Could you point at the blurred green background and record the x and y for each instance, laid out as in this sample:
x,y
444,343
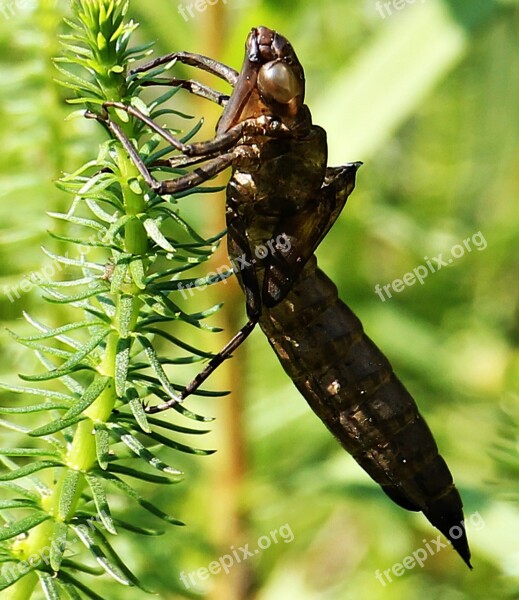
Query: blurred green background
x,y
426,93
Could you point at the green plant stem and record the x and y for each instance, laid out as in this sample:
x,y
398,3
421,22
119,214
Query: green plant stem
x,y
81,456
91,357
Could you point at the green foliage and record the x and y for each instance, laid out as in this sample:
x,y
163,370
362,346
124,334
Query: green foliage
x,y
440,165
100,368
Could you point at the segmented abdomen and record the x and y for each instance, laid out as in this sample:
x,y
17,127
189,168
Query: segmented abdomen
x,y
351,386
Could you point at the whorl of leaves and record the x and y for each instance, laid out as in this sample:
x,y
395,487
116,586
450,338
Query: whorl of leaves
x,y
123,255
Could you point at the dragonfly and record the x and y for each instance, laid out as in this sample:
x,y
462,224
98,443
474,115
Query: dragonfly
x,y
282,196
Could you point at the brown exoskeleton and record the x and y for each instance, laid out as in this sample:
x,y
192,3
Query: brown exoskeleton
x,y
281,188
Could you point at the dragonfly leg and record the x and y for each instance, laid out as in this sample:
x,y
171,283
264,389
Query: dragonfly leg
x,y
212,365
199,175
252,293
194,87
134,112
164,133
171,186
180,160
221,142
248,277
194,60
264,125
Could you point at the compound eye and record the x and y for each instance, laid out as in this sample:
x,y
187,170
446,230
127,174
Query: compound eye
x,y
278,82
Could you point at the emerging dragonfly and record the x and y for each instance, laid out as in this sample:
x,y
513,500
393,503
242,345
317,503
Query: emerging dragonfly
x,y
281,188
